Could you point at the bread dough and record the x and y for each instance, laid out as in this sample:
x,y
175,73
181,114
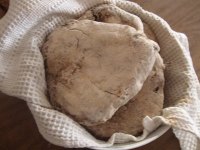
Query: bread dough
x,y
94,68
148,102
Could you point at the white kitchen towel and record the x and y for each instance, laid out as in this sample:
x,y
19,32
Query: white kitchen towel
x,y
22,74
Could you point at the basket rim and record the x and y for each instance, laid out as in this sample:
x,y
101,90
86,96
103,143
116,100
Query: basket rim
x,y
150,138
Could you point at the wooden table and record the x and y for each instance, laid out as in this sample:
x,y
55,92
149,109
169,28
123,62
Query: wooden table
x,y
18,130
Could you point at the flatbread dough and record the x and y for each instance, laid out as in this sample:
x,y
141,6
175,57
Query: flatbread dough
x,y
148,102
95,68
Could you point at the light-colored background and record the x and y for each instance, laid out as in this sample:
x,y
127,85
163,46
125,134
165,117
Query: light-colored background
x,y
18,130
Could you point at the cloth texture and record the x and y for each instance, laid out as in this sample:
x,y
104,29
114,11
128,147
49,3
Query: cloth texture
x,y
22,73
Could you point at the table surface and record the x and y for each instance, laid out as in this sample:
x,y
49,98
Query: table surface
x,y
18,130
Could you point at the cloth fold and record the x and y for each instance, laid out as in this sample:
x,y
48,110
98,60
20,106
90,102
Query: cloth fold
x,y
22,32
